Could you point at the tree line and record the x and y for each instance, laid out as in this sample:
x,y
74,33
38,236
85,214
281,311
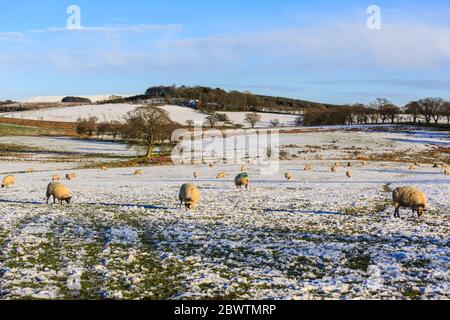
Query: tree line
x,y
381,111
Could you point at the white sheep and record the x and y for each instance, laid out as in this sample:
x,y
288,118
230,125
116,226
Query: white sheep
x,y
288,176
56,177
71,176
308,167
196,174
59,192
189,196
8,182
409,197
221,175
349,174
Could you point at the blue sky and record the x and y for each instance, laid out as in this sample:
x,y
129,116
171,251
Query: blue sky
x,y
314,50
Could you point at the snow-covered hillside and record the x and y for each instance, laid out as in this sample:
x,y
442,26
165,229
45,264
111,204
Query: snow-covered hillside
x,y
109,112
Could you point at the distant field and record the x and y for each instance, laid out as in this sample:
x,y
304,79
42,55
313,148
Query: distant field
x,y
117,112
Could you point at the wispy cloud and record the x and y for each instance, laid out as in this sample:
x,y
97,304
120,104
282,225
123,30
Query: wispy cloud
x,y
140,28
11,36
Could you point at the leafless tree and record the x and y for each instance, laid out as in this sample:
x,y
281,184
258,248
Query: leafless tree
x,y
148,126
252,119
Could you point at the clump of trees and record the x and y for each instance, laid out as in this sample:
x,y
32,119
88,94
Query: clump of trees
x,y
76,100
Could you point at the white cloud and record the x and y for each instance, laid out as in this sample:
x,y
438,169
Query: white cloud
x,y
11,36
140,28
343,45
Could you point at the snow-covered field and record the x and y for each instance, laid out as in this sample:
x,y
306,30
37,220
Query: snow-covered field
x,y
104,112
56,99
117,112
319,236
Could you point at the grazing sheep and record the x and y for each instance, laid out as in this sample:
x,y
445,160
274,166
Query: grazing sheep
x,y
417,164
138,173
288,176
56,177
447,172
104,168
189,196
334,169
337,164
59,192
412,168
349,174
308,167
244,168
196,174
409,197
242,179
221,175
8,182
71,176
29,170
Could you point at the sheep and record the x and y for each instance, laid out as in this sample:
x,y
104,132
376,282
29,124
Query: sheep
x,y
365,163
409,197
244,168
196,174
349,164
288,176
447,172
349,174
59,192
104,168
337,164
211,165
242,179
29,170
8,182
70,176
189,196
334,169
221,175
138,173
308,167
56,177
436,166
412,167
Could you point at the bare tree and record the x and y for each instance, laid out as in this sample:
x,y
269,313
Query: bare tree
x,y
431,108
446,111
148,126
413,109
87,127
252,119
211,121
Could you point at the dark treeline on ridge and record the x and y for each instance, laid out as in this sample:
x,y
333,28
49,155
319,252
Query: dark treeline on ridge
x,y
216,99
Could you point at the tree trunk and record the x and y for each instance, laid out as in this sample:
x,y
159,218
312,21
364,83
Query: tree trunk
x,y
149,152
